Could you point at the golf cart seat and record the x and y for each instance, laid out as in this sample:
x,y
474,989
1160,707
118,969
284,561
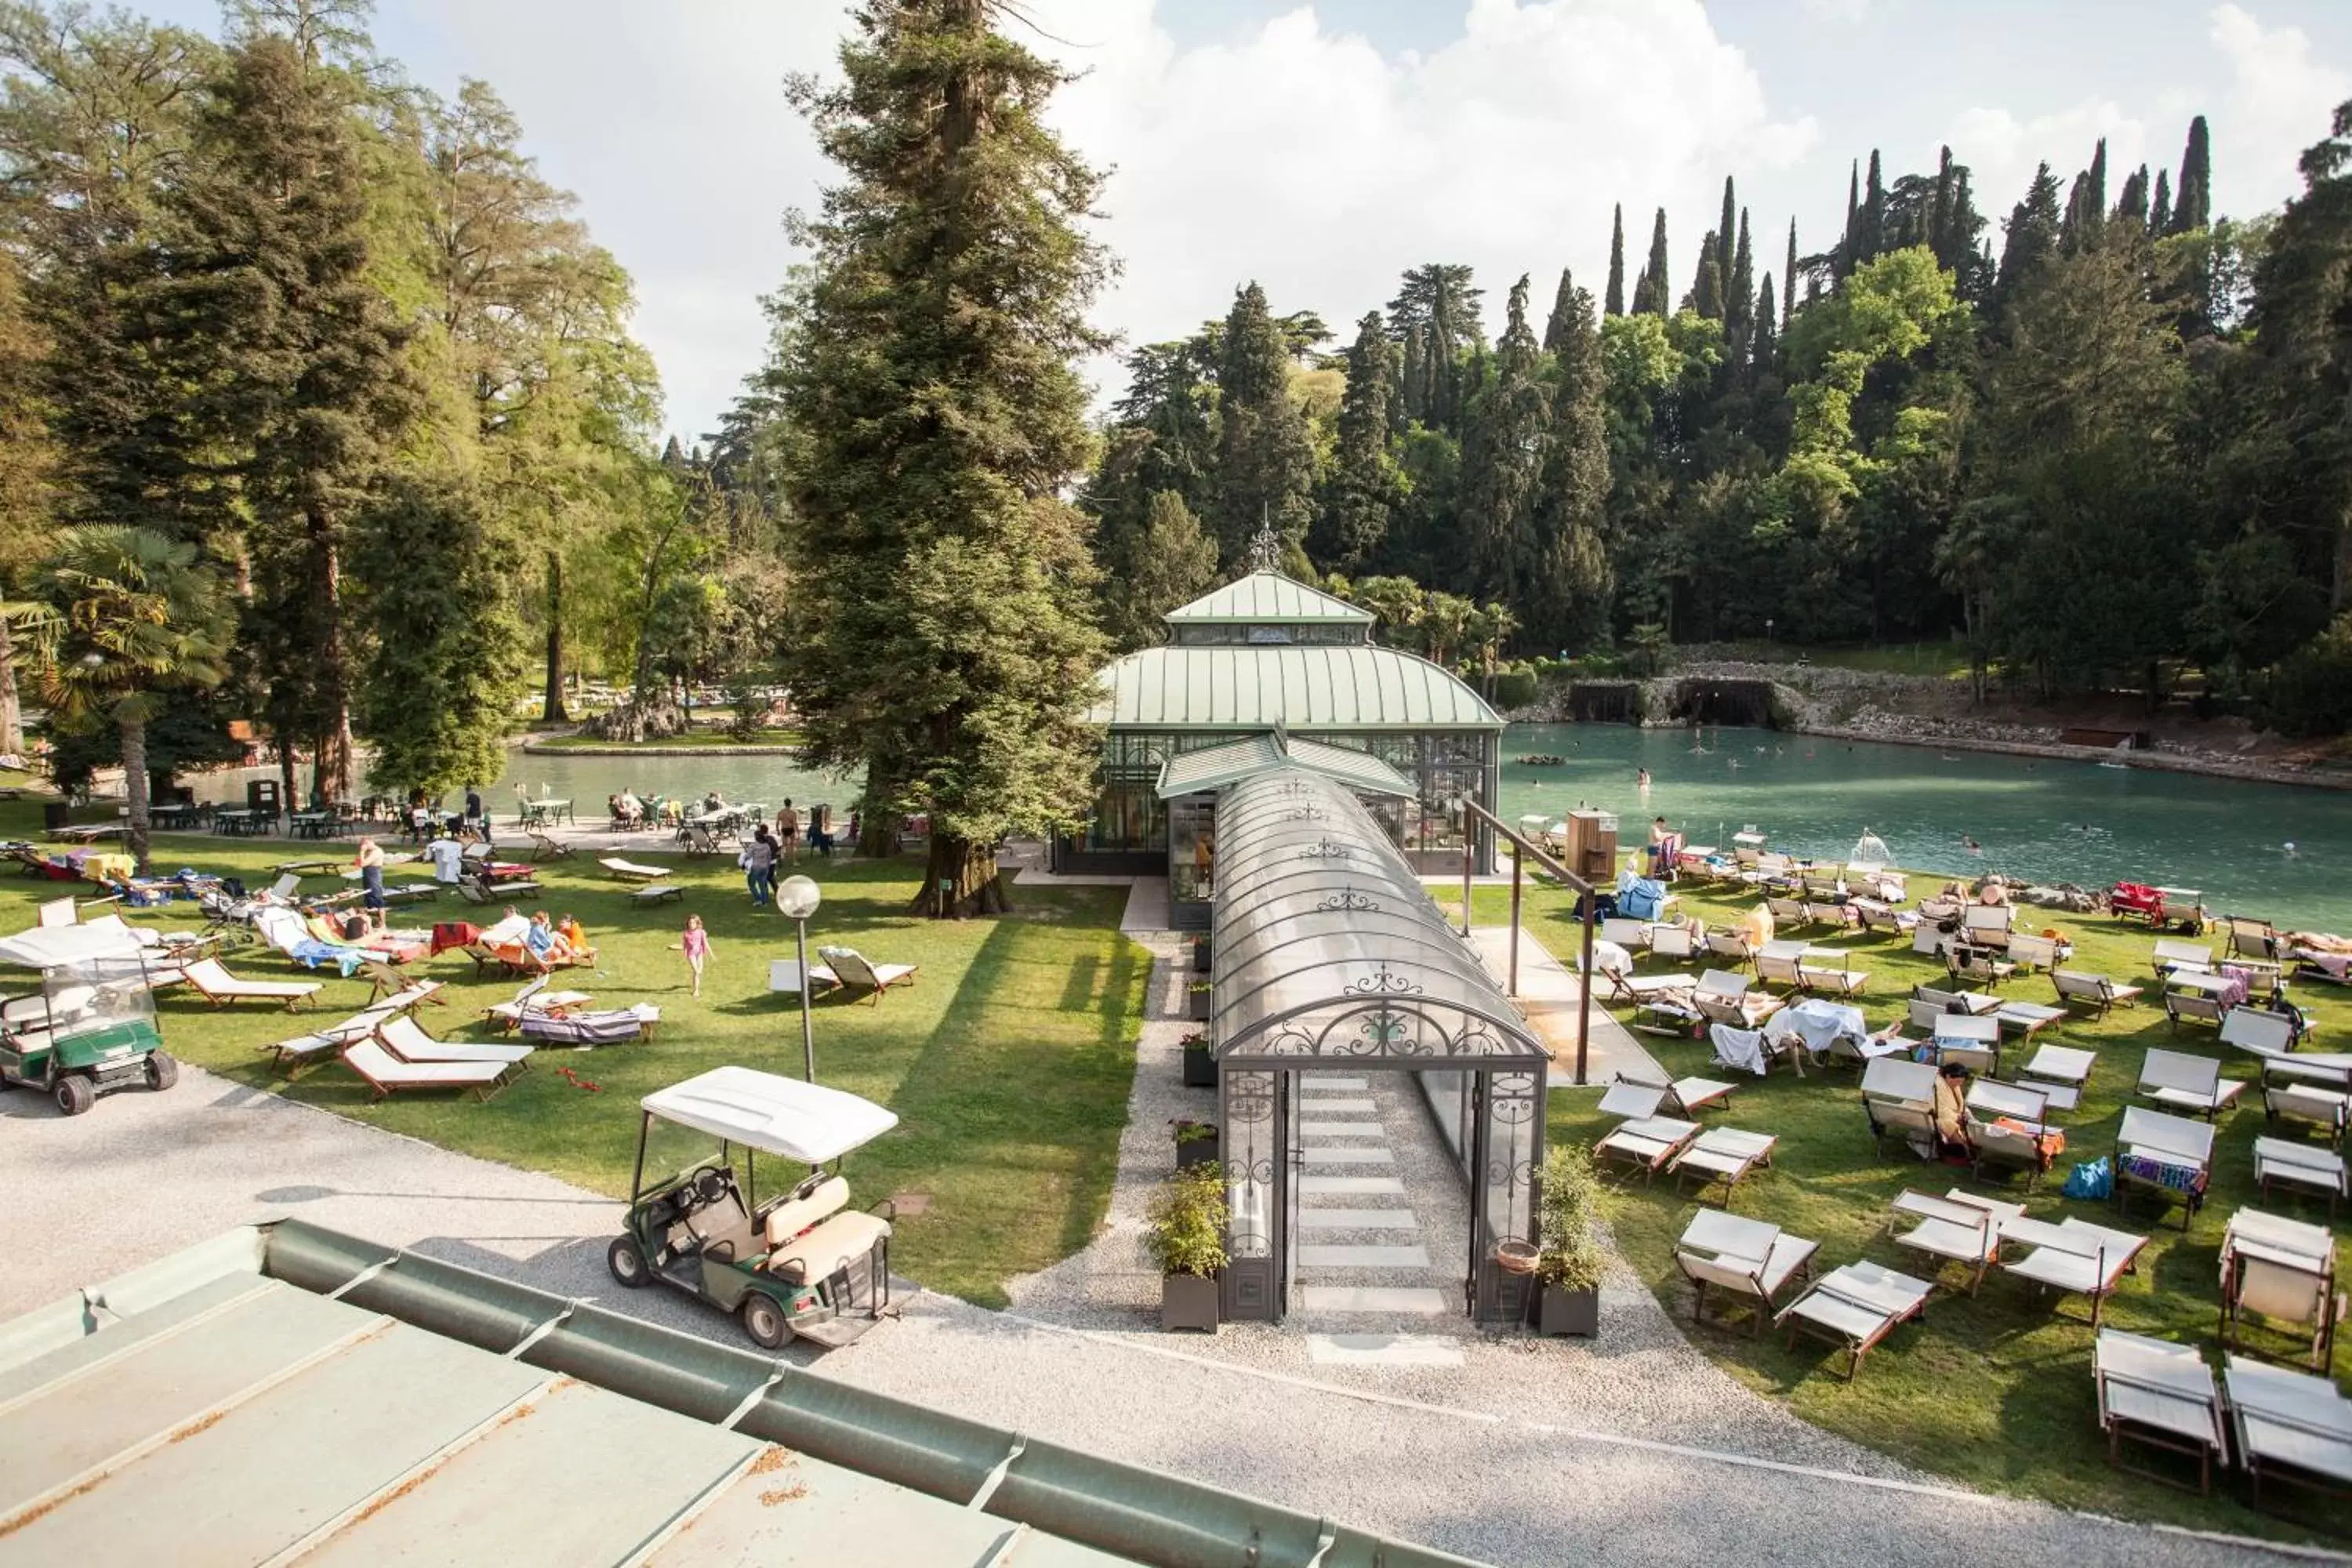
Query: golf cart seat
x,y
820,1204
844,1239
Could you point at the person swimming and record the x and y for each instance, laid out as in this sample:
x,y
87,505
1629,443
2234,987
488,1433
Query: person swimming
x,y
1971,845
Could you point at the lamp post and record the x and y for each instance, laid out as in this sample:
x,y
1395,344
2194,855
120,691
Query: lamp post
x,y
797,898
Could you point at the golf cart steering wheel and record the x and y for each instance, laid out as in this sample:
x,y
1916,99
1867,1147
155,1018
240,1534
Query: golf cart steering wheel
x,y
710,1185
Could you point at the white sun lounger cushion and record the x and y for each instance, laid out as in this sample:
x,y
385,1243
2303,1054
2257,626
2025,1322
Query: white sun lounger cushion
x,y
2158,1385
2289,1418
1727,1152
1860,1301
2072,1254
1651,1140
372,1061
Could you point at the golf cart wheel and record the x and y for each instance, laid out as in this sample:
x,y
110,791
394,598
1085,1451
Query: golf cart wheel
x,y
75,1094
162,1072
627,1262
765,1322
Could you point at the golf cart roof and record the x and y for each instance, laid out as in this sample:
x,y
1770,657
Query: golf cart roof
x,y
774,1115
46,947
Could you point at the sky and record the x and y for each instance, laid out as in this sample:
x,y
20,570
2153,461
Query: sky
x,y
1323,148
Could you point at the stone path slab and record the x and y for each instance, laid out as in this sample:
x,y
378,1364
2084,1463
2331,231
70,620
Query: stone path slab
x,y
1389,1185
1383,1350
1312,1254
1420,1299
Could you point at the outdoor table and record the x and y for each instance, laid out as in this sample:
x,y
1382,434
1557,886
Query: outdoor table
x,y
2204,982
238,822
309,823
170,816
539,813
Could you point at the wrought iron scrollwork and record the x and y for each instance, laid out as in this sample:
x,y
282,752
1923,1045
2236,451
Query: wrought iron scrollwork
x,y
1383,981
1327,849
1349,898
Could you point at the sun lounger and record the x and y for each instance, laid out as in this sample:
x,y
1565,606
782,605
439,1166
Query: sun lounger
x,y
2300,1168
2159,1394
1956,1039
1724,1155
632,870
2057,1068
1721,997
1959,1227
1629,935
534,997
2171,953
2182,1082
405,1038
2029,952
1782,962
2094,994
1969,965
1686,1096
219,987
2009,1122
2290,1426
2251,938
1826,970
1624,986
1745,1259
1732,947
1987,925
2073,1257
544,847
1899,1097
1753,1050
1856,1307
1646,1142
1975,1004
322,1043
2330,1109
1673,943
658,892
2258,1030
606,1028
2279,1274
857,974
385,981
386,1074
2170,1155
2192,1007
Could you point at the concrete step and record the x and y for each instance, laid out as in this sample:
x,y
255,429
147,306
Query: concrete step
x,y
1387,1185
1310,1219
1383,1350
1333,1154
1333,1106
1314,1255
1316,1082
1418,1301
1341,1129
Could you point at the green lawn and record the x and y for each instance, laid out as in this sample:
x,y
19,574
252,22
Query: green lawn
x,y
1996,1389
696,737
1008,1061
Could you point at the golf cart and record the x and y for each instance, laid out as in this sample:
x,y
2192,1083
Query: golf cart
x,y
91,1029
801,1264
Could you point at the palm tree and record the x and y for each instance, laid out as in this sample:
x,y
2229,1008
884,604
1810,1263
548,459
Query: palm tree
x,y
137,615
1491,625
1445,623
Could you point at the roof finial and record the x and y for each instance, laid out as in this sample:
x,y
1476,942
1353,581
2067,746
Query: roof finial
x,y
1266,545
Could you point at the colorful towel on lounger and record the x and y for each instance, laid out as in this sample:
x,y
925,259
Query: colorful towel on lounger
x,y
604,1027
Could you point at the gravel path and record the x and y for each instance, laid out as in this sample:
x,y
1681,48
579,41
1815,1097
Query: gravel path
x,y
1527,1454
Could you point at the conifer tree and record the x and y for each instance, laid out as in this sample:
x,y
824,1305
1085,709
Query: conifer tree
x,y
269,272
1564,300
2159,210
1873,212
1725,229
1706,294
1788,278
1415,376
1573,582
1652,292
2033,230
2192,198
1502,461
1613,301
1848,254
2131,205
1740,296
1440,298
1764,352
1363,481
1265,459
939,413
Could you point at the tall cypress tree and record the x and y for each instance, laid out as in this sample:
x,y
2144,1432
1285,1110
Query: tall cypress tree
x,y
2192,198
1613,301
1362,481
1724,229
938,414
2131,206
270,269
1739,295
1266,461
1706,294
1788,278
1874,212
1654,290
1569,607
2034,232
1765,352
2159,210
1441,299
1502,461
1848,254
1564,300
1415,376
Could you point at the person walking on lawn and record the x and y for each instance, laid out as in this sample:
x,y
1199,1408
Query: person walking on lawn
x,y
759,866
697,946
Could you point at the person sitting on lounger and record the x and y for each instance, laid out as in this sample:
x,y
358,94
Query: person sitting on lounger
x,y
509,932
540,937
574,938
1952,1112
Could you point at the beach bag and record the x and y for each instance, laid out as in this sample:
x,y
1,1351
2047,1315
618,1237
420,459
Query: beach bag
x,y
2091,1179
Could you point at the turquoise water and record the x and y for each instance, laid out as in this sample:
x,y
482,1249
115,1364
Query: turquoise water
x,y
2045,821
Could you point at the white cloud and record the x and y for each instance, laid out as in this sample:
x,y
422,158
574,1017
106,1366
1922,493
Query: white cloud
x,y
2278,102
1838,10
2001,151
1304,158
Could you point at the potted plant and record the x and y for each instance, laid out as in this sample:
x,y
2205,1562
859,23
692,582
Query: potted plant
x,y
1199,989
1196,1142
1202,949
1568,1259
1200,1066
1187,1239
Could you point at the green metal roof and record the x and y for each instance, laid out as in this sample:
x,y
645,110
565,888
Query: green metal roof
x,y
1190,773
1270,597
283,1392
1350,687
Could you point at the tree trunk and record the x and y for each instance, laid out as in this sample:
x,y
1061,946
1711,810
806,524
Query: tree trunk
x,y
286,774
551,710
134,788
12,717
334,760
971,883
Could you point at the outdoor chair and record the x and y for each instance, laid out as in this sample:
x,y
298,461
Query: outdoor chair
x,y
1685,1096
1723,998
1975,965
1822,969
2300,1168
2330,1109
2172,954
2073,1257
385,981
1789,914
698,839
54,912
2251,938
857,974
2279,1275
1615,966
1957,1039
1672,941
1856,1307
1959,1227
2062,1071
1732,947
1747,1260
2191,1006
1644,1140
2095,994
2161,1395
1753,1050
216,986
2008,1128
2290,1426
1877,920
1630,934
2028,953
1898,1095
2183,1082
386,1075
534,997
2260,1031
1781,962
1929,939
1724,1155
1987,925
2026,1019
2170,1155
405,1038
291,1054
1956,1000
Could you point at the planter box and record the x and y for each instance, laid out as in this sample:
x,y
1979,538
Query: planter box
x,y
1197,1150
1201,954
1561,1311
1199,1000
1200,1068
1188,1301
